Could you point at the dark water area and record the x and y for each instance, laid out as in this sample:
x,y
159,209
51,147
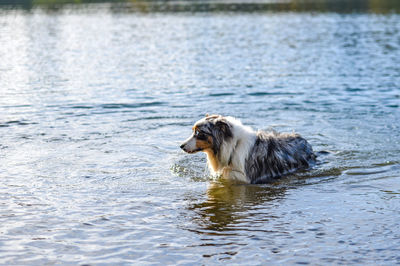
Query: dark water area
x,y
95,100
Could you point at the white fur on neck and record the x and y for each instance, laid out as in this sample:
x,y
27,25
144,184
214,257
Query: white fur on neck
x,y
233,153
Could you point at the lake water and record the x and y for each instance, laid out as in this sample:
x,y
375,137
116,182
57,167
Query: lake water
x,y
95,100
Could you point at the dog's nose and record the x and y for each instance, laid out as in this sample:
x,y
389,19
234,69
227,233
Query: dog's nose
x,y
183,145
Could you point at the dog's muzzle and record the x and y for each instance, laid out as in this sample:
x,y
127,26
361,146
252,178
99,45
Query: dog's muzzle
x,y
189,146
183,146
189,151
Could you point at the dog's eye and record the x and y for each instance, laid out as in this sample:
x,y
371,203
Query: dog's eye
x,y
200,135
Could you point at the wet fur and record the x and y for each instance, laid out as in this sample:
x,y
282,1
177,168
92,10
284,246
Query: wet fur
x,y
240,154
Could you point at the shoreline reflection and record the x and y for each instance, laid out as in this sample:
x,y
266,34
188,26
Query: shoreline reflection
x,y
142,6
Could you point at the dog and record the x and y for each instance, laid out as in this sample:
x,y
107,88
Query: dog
x,y
242,155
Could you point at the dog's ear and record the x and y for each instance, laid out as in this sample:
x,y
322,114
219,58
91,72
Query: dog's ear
x,y
224,127
212,117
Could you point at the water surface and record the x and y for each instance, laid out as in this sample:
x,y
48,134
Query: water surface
x,y
94,103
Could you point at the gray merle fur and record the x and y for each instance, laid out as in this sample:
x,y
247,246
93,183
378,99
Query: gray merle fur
x,y
276,154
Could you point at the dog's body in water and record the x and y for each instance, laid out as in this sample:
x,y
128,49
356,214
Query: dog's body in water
x,y
243,155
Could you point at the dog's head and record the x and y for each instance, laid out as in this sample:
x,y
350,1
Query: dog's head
x,y
208,134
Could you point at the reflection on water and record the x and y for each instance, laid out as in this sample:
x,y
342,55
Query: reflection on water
x,y
228,204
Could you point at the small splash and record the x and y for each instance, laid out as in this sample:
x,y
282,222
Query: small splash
x,y
193,167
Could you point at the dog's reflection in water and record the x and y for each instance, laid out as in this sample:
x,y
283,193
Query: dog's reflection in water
x,y
229,204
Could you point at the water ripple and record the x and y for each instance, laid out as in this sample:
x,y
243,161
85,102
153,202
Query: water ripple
x,y
92,117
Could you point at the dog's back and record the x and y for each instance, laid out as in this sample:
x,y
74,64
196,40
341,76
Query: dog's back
x,y
276,154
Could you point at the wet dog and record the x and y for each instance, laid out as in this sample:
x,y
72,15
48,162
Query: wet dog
x,y
242,155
